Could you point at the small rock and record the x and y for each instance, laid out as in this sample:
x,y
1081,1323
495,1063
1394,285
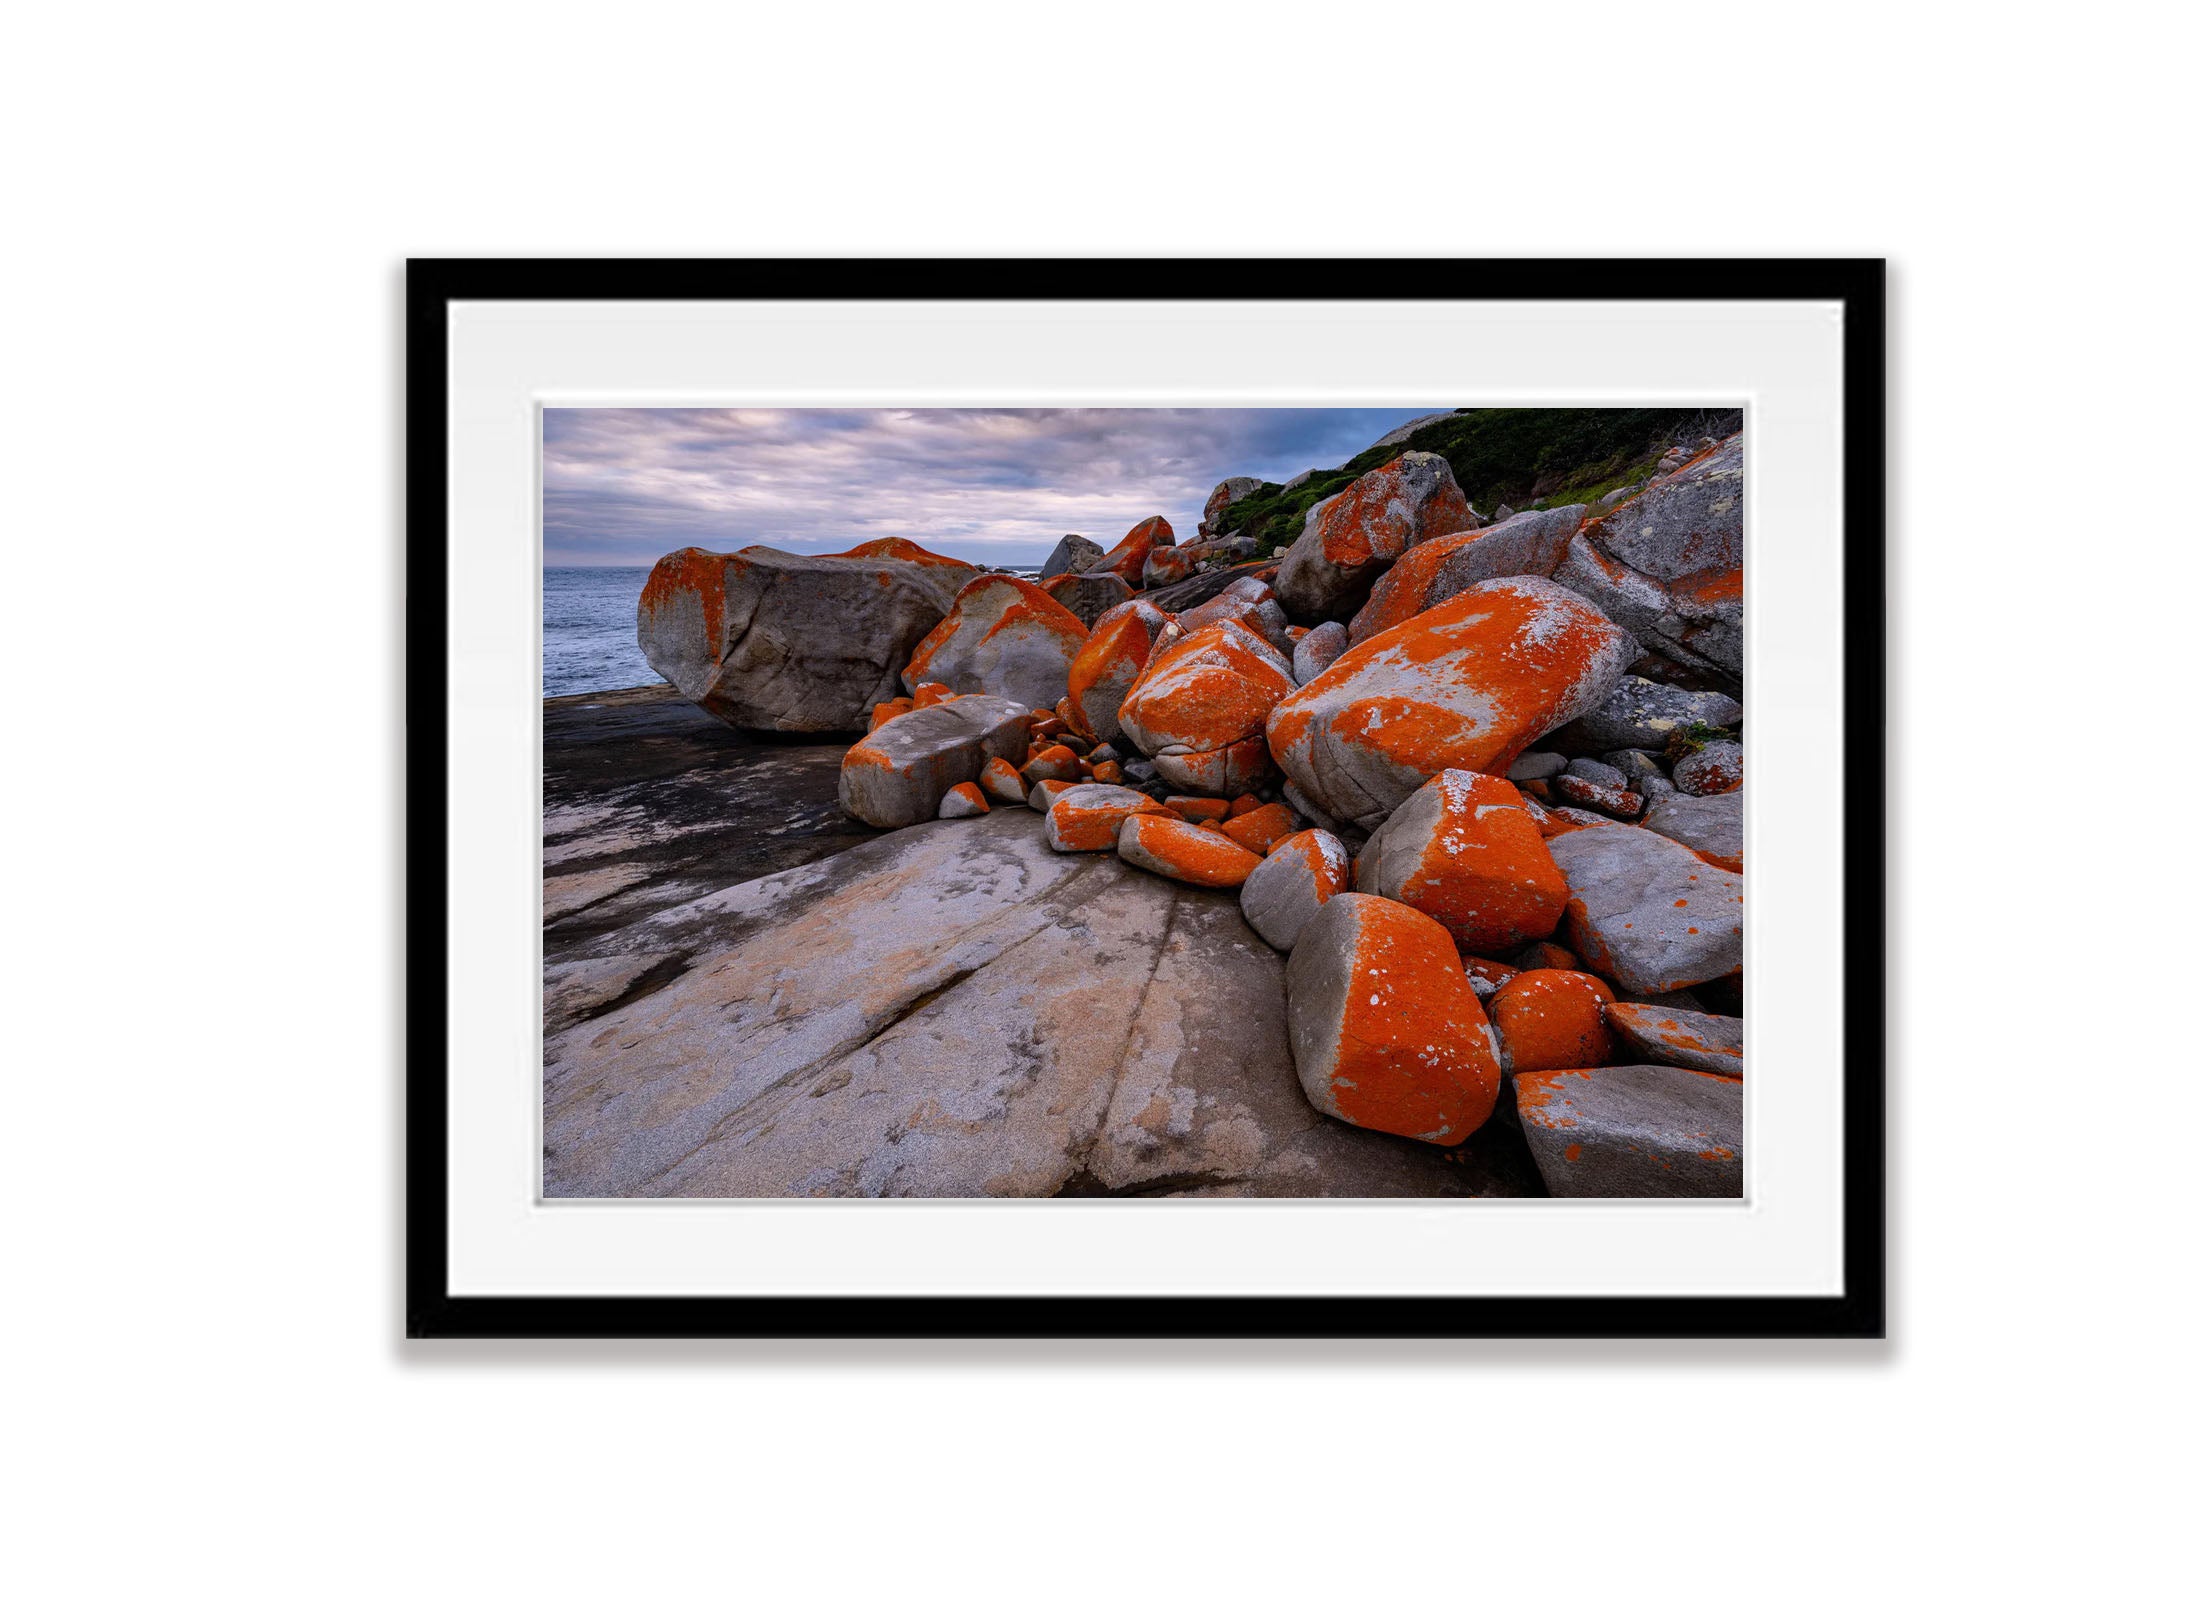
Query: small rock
x,y
964,800
1165,843
1715,769
1087,816
1597,772
1608,798
1197,808
1001,782
1648,1132
1681,1038
1139,770
1054,761
1317,650
1260,829
1385,1030
1536,764
1543,954
1299,876
1639,770
1045,792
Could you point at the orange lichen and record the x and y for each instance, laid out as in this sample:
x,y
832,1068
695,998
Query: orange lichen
x,y
1198,808
1262,828
895,549
1086,817
1162,842
1128,559
887,710
1414,1054
1553,1021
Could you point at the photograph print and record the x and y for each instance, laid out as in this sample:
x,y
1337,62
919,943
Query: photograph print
x,y
1284,802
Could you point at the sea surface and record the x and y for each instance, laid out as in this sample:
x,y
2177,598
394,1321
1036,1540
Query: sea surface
x,y
588,642
588,630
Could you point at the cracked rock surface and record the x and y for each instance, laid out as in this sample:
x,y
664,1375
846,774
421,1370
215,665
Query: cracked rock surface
x,y
952,1009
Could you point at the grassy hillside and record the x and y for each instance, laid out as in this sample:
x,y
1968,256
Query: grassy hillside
x,y
1517,457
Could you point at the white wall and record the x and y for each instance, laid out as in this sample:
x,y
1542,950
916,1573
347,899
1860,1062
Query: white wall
x,y
208,208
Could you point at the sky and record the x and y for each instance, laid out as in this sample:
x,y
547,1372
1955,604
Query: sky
x,y
623,487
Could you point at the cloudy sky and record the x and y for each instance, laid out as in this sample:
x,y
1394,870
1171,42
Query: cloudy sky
x,y
622,487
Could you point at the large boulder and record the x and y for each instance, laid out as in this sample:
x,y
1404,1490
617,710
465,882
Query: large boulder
x,y
1550,1020
1464,850
1073,553
1296,879
1634,1132
1128,559
1530,544
1247,600
1087,596
1200,709
1004,636
1167,564
1226,494
1386,1032
898,775
1667,564
954,1011
1113,656
1647,913
953,572
1469,684
1679,1038
790,644
1352,537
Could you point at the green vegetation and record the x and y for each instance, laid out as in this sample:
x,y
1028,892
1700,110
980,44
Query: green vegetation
x,y
1529,456
1695,736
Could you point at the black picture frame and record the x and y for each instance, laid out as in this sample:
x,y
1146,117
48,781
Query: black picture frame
x,y
432,1311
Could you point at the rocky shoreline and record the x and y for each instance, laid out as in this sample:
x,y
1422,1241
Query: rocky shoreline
x,y
1406,861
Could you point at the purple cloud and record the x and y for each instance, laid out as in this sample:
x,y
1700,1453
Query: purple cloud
x,y
622,487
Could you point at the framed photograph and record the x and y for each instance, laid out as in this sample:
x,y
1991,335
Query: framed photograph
x,y
1145,798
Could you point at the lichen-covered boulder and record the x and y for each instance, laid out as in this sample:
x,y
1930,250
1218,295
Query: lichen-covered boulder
x,y
1226,494
1611,799
1113,656
1464,850
1667,563
1316,651
1087,596
1086,816
1552,1021
1469,684
1696,1039
1003,636
1200,709
1049,761
898,775
1042,795
1248,600
1167,564
1634,1132
1162,842
790,644
952,572
1529,545
1352,537
1299,876
1385,1030
1646,912
1128,559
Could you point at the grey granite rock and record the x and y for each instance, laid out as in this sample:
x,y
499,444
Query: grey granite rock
x,y
1634,1132
898,775
1647,913
1680,1038
1074,553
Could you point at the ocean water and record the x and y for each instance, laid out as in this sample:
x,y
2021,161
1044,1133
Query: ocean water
x,y
588,630
588,642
